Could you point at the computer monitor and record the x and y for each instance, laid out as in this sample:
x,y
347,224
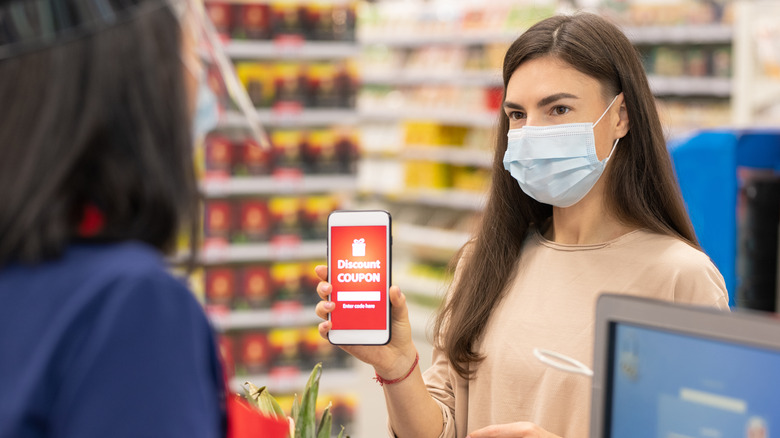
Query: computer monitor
x,y
669,371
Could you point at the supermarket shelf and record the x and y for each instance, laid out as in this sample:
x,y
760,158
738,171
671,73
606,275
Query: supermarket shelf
x,y
411,78
331,380
449,117
457,199
699,34
246,319
690,86
269,185
416,40
303,50
457,155
418,285
429,237
305,117
254,2
213,254
422,318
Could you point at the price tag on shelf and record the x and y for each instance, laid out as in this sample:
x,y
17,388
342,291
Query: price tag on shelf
x,y
216,183
215,250
286,113
285,247
285,313
285,377
288,45
288,180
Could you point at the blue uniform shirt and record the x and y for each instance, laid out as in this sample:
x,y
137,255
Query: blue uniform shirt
x,y
104,342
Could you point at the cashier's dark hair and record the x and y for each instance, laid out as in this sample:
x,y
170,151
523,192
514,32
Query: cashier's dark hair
x,y
641,187
101,120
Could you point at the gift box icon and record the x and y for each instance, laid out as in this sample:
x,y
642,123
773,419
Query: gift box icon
x,y
358,247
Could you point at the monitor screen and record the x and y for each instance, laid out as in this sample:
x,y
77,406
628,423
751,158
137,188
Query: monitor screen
x,y
664,384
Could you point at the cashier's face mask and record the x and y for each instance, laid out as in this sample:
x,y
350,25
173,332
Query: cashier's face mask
x,y
556,164
207,107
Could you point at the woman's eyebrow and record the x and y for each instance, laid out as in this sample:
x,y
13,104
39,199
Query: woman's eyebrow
x,y
554,97
542,103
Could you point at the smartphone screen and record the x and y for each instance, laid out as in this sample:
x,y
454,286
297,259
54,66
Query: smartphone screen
x,y
359,272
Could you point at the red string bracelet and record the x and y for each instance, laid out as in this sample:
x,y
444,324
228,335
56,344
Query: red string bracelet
x,y
382,381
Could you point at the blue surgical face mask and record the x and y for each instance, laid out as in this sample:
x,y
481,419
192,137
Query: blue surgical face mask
x,y
207,109
556,164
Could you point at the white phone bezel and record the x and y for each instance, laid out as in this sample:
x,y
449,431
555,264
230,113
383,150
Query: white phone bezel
x,y
341,218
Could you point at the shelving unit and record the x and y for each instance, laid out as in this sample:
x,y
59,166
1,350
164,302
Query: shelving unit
x,y
756,93
449,154
411,78
247,319
454,39
697,95
268,209
262,252
443,116
431,237
695,34
291,50
297,118
284,185
690,86
455,199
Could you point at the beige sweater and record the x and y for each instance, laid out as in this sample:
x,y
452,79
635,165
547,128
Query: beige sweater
x,y
550,304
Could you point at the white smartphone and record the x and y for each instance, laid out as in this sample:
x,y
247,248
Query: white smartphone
x,y
359,257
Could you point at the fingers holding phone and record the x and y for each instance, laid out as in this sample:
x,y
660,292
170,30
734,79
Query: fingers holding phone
x,y
400,349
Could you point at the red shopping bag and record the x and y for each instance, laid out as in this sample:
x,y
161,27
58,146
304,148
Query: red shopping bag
x,y
246,422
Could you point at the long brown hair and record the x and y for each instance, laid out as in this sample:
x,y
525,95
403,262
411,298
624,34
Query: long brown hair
x,y
641,187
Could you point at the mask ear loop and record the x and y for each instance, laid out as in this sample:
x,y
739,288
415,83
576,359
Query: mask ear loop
x,y
605,111
562,362
208,35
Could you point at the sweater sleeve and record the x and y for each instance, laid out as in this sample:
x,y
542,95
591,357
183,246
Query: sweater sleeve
x,y
699,282
144,363
437,380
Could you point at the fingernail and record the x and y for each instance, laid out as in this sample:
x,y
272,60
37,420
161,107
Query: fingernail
x,y
330,305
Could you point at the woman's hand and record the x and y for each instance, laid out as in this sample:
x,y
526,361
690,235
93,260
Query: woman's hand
x,y
390,361
522,429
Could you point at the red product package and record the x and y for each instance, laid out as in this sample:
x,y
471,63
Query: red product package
x,y
253,21
220,15
219,155
493,98
220,287
251,159
286,214
288,280
286,347
255,220
218,220
255,352
257,286
317,349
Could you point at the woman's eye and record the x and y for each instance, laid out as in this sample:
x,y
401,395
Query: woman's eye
x,y
560,110
516,115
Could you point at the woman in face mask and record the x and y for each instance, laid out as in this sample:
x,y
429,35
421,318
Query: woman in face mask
x,y
583,200
97,339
